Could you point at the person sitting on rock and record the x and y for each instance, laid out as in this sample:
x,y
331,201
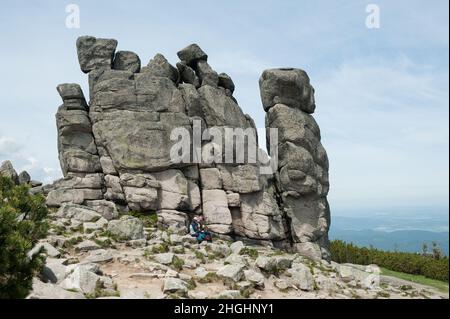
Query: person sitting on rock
x,y
194,228
199,230
204,232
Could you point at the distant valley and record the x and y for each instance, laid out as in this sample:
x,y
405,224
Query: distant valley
x,y
397,231
402,240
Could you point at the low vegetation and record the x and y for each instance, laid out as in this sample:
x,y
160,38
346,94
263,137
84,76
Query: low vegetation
x,y
210,277
148,220
177,263
251,252
438,284
432,266
101,291
160,248
200,256
22,224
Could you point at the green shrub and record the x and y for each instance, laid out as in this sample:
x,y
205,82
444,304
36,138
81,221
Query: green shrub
x,y
409,263
22,224
177,263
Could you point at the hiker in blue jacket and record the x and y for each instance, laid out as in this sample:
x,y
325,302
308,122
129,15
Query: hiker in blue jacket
x,y
199,230
194,228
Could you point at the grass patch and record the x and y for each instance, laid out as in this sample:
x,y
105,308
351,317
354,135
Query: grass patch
x,y
72,242
383,294
191,285
178,250
77,229
273,269
148,255
59,230
107,243
251,252
213,255
109,235
276,253
439,285
326,271
148,220
101,292
246,292
210,277
177,263
200,256
160,248
406,287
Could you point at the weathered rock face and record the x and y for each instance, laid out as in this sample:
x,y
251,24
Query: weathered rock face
x,y
7,170
127,61
95,53
302,176
287,86
117,150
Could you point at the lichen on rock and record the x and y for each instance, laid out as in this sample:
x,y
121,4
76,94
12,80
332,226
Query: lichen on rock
x,y
115,149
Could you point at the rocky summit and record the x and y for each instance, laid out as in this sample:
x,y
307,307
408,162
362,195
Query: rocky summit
x,y
115,148
119,218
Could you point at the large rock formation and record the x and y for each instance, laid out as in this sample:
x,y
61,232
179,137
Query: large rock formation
x,y
117,149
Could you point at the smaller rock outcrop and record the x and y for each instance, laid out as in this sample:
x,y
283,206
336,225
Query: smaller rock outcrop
x,y
192,54
95,53
7,170
24,178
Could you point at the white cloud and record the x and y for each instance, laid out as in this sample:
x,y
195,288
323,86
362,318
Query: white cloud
x,y
30,164
7,146
385,126
23,161
49,170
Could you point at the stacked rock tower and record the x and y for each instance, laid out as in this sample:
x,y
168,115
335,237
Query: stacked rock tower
x,y
302,172
115,150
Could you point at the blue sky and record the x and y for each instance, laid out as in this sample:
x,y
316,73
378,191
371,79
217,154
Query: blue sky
x,y
382,94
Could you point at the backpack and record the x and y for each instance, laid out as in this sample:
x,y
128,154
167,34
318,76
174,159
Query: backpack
x,y
193,228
